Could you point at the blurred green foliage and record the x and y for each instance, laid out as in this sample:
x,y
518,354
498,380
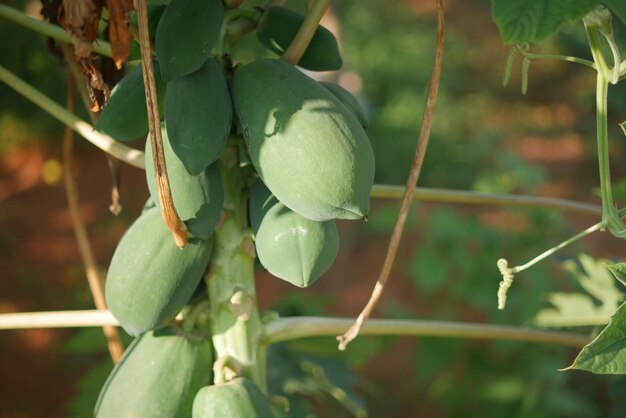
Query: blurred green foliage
x,y
390,47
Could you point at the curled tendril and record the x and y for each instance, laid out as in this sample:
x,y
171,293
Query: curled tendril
x,y
505,284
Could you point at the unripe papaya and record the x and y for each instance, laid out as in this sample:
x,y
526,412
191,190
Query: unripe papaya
x,y
279,26
150,279
158,376
308,148
125,116
291,247
239,398
349,100
198,116
187,32
197,199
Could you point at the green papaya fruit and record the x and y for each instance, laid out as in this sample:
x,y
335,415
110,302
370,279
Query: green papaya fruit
x,y
158,376
150,279
279,26
291,247
307,147
348,100
197,199
198,116
125,117
239,398
187,32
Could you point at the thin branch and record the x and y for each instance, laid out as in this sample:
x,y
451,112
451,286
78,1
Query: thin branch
x,y
284,329
304,35
112,163
104,142
170,215
48,29
416,166
429,194
582,61
57,319
94,278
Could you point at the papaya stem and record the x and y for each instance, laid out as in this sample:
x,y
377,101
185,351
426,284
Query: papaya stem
x,y
416,167
604,77
94,278
303,37
431,194
285,329
170,215
236,327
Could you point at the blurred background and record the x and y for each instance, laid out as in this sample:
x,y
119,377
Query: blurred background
x,y
485,137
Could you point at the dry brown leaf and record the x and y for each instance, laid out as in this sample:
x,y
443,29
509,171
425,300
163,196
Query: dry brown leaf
x,y
120,35
80,20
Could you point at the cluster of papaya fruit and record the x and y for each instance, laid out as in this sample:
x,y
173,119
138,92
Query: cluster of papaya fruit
x,y
312,162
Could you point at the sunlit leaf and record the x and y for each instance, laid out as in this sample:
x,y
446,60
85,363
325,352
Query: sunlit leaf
x,y
579,309
607,353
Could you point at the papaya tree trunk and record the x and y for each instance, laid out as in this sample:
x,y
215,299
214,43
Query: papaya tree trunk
x,y
235,324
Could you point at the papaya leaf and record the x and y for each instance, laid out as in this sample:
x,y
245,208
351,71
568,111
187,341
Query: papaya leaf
x,y
522,21
619,271
618,7
607,353
302,377
334,378
581,309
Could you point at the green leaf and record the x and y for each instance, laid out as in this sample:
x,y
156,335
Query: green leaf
x,y
607,353
618,7
522,21
619,271
570,310
580,309
334,378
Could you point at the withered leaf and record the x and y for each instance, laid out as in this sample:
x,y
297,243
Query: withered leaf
x,y
120,35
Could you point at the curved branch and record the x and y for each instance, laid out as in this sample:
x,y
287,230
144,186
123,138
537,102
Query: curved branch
x,y
284,329
104,142
48,29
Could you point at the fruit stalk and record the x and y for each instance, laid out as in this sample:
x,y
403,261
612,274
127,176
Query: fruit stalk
x,y
235,323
